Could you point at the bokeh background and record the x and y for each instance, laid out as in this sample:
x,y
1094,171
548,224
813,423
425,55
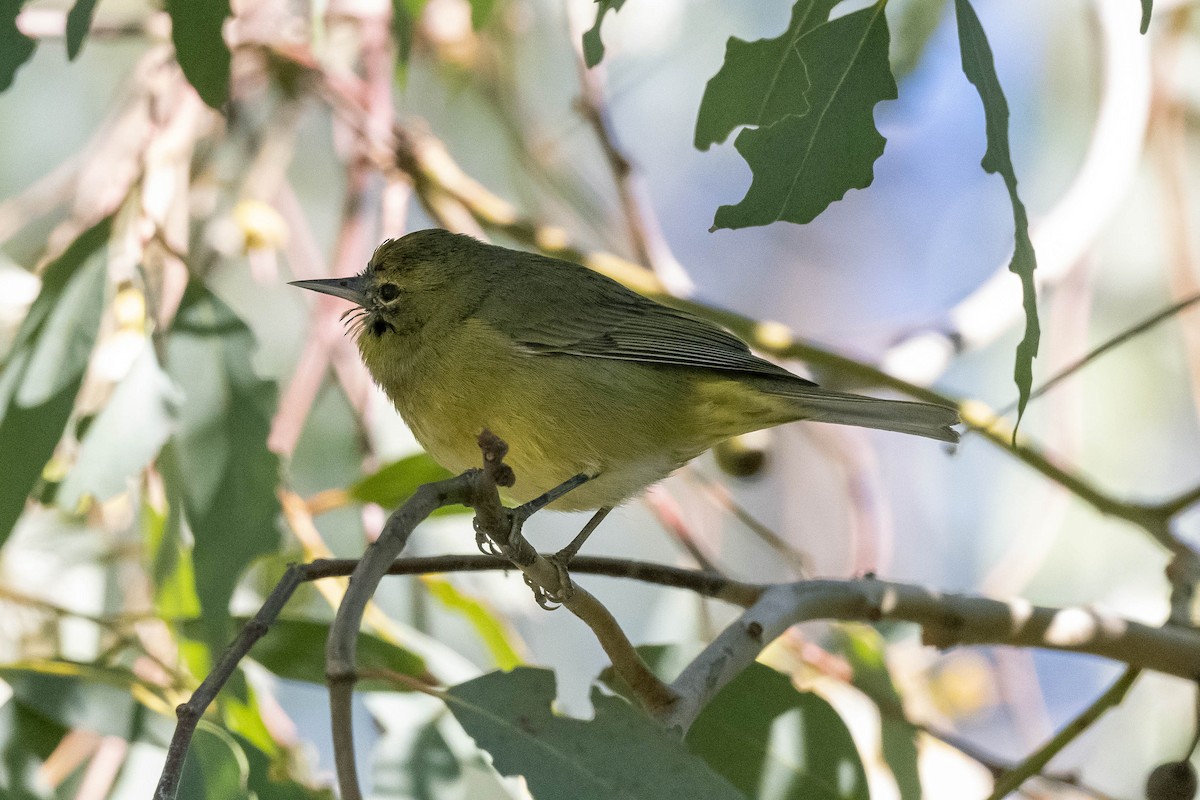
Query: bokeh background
x,y
881,276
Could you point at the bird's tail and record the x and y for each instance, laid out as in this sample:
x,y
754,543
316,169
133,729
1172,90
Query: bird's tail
x,y
822,405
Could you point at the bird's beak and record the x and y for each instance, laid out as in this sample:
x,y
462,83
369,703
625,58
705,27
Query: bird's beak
x,y
352,289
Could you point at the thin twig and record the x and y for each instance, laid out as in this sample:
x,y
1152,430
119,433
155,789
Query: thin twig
x,y
698,581
189,713
343,633
1012,780
720,496
669,513
1116,341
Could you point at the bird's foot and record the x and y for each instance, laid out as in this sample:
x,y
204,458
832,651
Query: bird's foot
x,y
484,542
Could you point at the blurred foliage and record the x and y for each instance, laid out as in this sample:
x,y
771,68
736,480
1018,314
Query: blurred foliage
x,y
163,432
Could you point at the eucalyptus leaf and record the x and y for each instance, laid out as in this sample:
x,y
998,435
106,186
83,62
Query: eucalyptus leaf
x,y
98,699
761,82
980,69
405,14
864,649
126,435
27,738
45,367
15,47
497,636
215,766
620,752
295,649
79,22
200,48
266,780
772,741
393,483
593,45
802,163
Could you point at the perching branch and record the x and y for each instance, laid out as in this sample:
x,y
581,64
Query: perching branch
x,y
479,490
947,620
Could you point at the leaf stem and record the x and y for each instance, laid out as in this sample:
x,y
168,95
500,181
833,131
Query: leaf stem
x,y
1010,781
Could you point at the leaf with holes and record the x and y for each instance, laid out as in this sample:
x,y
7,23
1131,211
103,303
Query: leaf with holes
x,y
801,164
760,82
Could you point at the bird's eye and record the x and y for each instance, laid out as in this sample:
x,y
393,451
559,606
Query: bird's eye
x,y
388,292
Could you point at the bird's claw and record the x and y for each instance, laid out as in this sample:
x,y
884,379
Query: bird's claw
x,y
485,544
547,600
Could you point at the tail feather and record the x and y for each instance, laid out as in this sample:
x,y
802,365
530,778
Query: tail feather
x,y
902,416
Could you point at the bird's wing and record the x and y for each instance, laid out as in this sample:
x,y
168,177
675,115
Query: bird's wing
x,y
556,307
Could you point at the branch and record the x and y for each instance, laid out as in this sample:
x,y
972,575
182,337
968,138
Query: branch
x,y
188,714
947,620
649,245
343,633
479,490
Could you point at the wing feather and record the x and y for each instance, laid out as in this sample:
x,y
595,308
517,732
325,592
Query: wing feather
x,y
556,307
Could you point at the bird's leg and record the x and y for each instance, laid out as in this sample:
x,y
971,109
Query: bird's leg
x,y
562,559
535,505
518,515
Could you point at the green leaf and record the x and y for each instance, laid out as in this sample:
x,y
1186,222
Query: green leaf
x,y
392,484
215,766
593,45
79,22
771,741
227,475
618,753
980,69
295,649
496,635
27,739
199,47
864,648
45,367
1147,10
125,435
760,82
15,47
801,164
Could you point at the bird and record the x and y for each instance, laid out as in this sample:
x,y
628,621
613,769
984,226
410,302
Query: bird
x,y
578,374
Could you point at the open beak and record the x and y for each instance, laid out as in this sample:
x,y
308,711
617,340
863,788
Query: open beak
x,y
352,289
